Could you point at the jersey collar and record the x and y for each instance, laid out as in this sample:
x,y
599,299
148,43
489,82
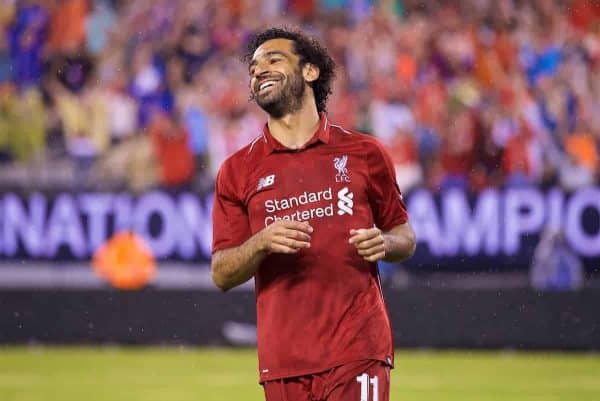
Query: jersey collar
x,y
321,135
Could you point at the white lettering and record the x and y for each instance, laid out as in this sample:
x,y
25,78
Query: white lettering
x,y
471,231
425,221
555,211
523,214
97,207
587,244
195,226
269,206
18,225
123,204
305,198
64,228
158,205
302,215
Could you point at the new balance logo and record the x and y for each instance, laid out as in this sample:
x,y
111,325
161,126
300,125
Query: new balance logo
x,y
345,201
265,182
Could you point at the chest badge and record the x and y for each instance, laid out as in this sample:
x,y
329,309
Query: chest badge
x,y
342,171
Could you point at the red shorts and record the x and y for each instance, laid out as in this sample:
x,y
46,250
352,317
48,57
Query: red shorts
x,y
357,381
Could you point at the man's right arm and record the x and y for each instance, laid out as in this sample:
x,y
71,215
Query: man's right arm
x,y
234,266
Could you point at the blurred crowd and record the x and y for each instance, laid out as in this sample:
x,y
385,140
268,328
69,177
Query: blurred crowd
x,y
140,94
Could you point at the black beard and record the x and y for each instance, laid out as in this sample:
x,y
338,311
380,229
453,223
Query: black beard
x,y
289,99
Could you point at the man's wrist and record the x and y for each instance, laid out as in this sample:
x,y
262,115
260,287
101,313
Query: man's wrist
x,y
386,244
258,245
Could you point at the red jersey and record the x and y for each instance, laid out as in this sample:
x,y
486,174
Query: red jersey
x,y
323,306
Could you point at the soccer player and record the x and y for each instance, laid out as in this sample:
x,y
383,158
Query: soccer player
x,y
307,209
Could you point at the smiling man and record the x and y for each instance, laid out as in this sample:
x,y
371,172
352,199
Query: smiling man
x,y
307,209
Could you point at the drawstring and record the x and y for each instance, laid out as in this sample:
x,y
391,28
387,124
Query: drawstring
x,y
283,392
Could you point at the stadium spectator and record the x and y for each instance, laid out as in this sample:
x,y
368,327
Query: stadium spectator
x,y
121,108
193,106
99,24
67,25
7,119
22,123
521,162
228,134
27,36
172,151
131,165
148,85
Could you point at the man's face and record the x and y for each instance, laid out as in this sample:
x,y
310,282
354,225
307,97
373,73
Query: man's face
x,y
276,81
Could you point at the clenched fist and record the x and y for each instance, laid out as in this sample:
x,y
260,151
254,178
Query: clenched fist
x,y
369,242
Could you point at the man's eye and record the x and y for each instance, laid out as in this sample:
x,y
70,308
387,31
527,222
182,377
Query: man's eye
x,y
275,60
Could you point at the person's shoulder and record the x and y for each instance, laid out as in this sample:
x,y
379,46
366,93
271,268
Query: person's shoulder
x,y
343,135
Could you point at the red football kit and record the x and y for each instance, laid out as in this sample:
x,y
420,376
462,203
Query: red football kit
x,y
321,307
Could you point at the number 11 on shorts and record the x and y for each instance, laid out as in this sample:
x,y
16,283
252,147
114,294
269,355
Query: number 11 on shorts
x,y
364,381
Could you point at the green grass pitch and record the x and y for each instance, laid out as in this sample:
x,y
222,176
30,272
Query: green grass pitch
x,y
186,374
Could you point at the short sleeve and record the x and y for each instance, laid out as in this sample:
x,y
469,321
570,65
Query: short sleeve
x,y
385,197
231,225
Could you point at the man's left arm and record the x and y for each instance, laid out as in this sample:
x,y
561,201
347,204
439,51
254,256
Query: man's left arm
x,y
391,238
394,245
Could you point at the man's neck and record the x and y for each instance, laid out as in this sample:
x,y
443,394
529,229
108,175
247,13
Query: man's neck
x,y
295,129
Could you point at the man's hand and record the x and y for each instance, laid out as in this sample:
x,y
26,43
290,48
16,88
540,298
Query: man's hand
x,y
369,242
285,236
234,266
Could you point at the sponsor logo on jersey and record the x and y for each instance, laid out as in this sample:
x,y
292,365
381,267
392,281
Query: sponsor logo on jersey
x,y
345,201
310,205
342,171
265,182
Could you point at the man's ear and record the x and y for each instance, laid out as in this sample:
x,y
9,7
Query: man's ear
x,y
310,72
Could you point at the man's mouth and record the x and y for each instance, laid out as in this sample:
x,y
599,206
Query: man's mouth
x,y
265,85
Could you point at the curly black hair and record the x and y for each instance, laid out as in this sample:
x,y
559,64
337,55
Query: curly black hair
x,y
309,50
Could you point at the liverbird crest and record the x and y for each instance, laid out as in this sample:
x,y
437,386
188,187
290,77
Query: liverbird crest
x,y
342,171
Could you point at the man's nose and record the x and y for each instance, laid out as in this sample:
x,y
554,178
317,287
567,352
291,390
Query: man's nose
x,y
261,74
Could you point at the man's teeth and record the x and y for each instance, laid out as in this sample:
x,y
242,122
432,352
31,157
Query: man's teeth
x,y
266,85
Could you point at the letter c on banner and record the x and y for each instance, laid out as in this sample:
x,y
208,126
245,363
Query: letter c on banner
x,y
585,244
